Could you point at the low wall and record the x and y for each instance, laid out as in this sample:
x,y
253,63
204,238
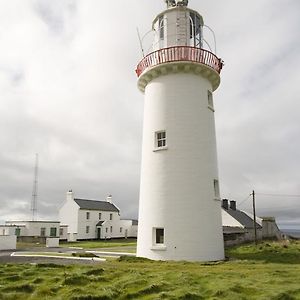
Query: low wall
x,y
32,239
52,242
8,242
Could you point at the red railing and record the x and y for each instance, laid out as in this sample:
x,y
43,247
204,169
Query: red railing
x,y
179,53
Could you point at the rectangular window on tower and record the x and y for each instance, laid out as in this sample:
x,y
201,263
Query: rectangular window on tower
x,y
216,189
161,27
210,100
160,140
159,236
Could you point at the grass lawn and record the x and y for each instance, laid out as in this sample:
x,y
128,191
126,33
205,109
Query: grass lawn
x,y
267,271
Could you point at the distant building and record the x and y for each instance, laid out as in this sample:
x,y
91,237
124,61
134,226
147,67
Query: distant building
x,y
92,219
29,231
238,226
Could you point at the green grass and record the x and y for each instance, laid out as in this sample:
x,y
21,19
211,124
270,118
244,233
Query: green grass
x,y
268,271
101,243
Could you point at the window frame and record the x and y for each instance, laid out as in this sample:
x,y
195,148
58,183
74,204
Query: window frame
x,y
210,100
43,231
53,232
160,140
217,190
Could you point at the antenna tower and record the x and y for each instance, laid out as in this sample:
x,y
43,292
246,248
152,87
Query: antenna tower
x,y
35,189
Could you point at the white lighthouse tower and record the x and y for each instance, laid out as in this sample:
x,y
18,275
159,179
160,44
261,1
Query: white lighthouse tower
x,y
179,209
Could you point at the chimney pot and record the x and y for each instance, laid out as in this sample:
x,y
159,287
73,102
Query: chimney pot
x,y
233,205
225,203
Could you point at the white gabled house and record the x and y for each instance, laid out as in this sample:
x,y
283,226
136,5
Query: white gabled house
x,y
93,219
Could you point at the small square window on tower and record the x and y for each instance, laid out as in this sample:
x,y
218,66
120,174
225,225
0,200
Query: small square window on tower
x,y
210,100
160,139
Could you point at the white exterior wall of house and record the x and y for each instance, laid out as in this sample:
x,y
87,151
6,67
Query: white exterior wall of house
x,y
7,230
63,232
34,228
68,214
83,222
128,229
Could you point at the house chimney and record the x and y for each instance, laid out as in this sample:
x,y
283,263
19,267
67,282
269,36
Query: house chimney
x,y
225,203
70,195
233,205
109,198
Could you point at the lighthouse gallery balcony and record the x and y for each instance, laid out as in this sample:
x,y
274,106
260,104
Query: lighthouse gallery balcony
x,y
189,56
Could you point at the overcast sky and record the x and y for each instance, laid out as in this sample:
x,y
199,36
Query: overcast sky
x,y
68,92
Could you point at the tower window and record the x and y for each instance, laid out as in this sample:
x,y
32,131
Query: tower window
x,y
100,215
210,100
110,216
161,27
87,215
160,139
195,30
216,189
159,236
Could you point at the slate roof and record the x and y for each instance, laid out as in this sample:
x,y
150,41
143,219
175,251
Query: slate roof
x,y
242,218
96,205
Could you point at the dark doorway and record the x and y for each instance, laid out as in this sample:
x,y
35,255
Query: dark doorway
x,y
98,233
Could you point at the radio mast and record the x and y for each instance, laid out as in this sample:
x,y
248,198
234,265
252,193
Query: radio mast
x,y
35,189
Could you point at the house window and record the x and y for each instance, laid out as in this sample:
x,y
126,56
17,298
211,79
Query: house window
x,y
43,231
61,231
216,189
18,231
87,215
110,229
121,229
110,216
160,139
210,100
53,231
159,236
100,216
106,230
87,229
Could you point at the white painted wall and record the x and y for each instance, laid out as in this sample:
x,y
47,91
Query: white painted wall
x,y
8,242
68,214
52,242
33,228
83,222
63,232
177,190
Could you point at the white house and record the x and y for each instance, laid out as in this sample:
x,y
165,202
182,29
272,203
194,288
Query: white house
x,y
93,219
29,231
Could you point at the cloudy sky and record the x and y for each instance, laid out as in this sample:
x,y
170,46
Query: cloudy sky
x,y
68,92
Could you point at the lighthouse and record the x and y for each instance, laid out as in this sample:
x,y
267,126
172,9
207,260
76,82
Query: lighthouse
x,y
179,206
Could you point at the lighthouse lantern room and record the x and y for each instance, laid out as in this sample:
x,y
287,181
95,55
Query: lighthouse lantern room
x,y
179,208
